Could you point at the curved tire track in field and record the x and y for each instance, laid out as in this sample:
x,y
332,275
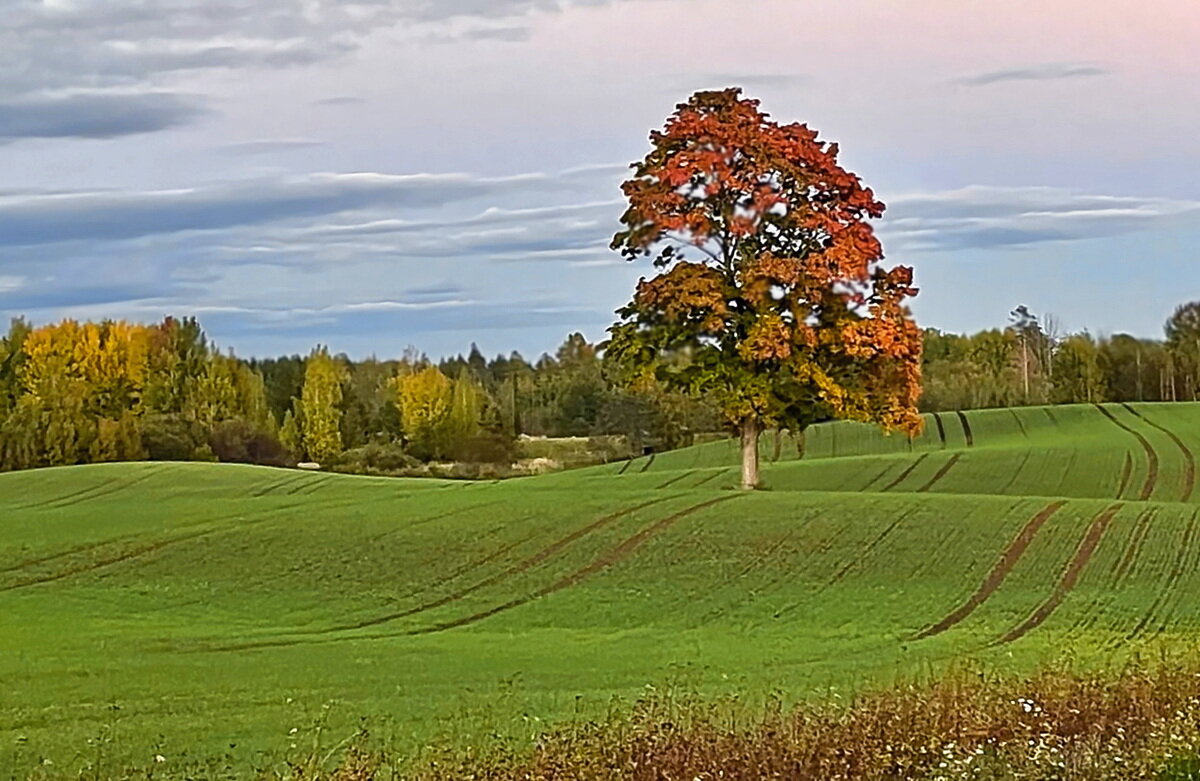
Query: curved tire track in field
x,y
940,473
1147,448
1189,460
550,551
876,479
106,488
1000,570
1016,472
676,479
1141,529
1187,540
941,427
966,424
869,548
223,526
1126,472
908,471
94,565
1020,425
286,482
716,474
613,556
1083,554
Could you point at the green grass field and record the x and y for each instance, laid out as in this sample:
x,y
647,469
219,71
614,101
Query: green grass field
x,y
194,610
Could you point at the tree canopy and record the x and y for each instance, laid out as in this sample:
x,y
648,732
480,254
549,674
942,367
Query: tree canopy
x,y
771,300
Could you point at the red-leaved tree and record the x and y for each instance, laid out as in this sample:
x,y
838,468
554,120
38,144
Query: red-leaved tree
x,y
771,300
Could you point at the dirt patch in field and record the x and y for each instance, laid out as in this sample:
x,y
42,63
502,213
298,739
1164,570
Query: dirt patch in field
x,y
1070,576
1147,448
1012,554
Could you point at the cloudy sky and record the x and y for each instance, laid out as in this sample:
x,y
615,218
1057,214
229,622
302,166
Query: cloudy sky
x,y
376,173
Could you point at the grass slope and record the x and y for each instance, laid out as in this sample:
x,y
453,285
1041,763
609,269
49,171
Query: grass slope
x,y
218,605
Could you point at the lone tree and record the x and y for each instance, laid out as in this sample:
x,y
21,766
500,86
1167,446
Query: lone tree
x,y
770,299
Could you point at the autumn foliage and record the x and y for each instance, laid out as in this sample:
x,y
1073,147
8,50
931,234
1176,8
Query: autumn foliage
x,y
772,300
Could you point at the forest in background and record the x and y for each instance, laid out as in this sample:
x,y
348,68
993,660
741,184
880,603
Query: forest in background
x,y
75,393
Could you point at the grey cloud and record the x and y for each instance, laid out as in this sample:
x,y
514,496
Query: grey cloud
x,y
98,44
339,100
393,317
97,115
267,146
46,219
990,217
1046,72
506,34
56,296
753,79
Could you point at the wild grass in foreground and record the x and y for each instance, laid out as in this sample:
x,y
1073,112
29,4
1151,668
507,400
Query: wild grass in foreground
x,y
1140,722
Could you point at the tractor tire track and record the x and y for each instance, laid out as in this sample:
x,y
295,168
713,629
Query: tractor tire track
x,y
870,547
941,427
1141,530
606,560
284,483
716,474
876,478
312,487
1070,576
1000,570
520,567
940,473
647,464
966,428
93,565
1189,460
1147,448
911,467
1017,472
1126,472
1187,540
106,488
1020,425
1049,414
676,479
625,466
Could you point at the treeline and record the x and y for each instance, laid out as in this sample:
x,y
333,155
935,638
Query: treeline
x,y
74,393
1031,362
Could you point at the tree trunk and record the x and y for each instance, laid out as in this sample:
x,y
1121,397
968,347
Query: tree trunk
x,y
750,432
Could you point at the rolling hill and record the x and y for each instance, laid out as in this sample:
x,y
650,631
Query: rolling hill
x,y
205,610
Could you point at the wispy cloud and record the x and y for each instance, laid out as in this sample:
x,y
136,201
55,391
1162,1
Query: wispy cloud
x,y
994,217
271,145
95,115
1045,72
